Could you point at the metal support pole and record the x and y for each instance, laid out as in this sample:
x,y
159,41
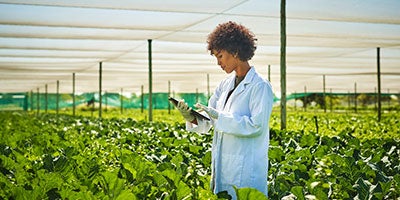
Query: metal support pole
x,y
348,100
31,100
58,96
378,64
305,99
283,64
169,94
26,100
355,97
73,94
45,98
330,99
100,89
150,83
269,73
37,102
122,102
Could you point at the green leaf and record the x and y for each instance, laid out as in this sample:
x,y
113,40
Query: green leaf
x,y
195,149
160,180
363,188
53,194
206,194
382,189
111,184
206,160
249,193
48,162
321,151
172,175
177,160
60,163
307,140
385,186
132,173
126,194
396,182
183,191
276,154
298,192
321,193
224,195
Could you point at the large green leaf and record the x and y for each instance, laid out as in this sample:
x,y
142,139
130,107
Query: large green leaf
x,y
111,184
249,193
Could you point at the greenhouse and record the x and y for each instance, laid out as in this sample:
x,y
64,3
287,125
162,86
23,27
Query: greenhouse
x,y
84,89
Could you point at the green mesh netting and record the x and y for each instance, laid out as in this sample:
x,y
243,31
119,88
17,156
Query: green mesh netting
x,y
34,101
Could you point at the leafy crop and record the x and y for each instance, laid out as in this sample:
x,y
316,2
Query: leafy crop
x,y
339,167
81,158
64,157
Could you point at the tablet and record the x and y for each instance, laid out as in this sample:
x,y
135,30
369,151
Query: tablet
x,y
193,112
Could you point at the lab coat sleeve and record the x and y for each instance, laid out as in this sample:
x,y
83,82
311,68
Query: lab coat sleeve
x,y
254,124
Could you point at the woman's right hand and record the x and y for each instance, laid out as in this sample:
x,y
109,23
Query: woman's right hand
x,y
209,110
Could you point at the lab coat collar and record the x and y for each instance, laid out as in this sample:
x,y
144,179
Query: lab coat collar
x,y
247,79
241,87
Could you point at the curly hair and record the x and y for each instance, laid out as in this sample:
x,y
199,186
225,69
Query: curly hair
x,y
233,38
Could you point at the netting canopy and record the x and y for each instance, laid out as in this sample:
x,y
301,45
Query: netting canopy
x,y
42,41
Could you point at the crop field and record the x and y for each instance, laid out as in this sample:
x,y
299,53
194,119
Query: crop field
x,y
319,156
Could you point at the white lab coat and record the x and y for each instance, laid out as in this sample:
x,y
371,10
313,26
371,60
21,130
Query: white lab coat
x,y
241,134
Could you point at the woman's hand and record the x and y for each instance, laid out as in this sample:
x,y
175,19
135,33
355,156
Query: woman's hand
x,y
184,109
210,111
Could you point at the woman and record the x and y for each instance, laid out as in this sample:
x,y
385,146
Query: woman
x,y
240,110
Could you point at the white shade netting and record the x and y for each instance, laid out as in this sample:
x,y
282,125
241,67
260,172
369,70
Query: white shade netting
x,y
44,41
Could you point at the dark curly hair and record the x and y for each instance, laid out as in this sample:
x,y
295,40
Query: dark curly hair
x,y
233,38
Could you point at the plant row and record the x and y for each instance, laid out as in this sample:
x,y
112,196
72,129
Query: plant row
x,y
64,157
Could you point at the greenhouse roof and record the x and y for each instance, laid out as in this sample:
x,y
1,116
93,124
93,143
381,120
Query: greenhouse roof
x,y
42,41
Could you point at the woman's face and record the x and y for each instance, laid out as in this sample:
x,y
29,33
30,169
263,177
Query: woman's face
x,y
226,60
